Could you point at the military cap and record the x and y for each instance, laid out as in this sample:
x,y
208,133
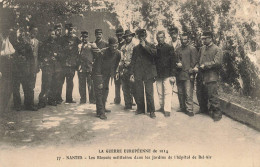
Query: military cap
x,y
186,34
120,30
98,31
57,26
112,41
173,29
84,33
128,33
207,34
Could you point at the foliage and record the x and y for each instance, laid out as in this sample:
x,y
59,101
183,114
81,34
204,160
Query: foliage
x,y
234,23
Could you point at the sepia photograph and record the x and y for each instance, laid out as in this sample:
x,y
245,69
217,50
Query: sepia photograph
x,y
133,83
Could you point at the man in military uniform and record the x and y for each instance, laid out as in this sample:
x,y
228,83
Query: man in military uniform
x,y
99,39
48,56
127,52
59,76
69,60
209,64
23,74
85,65
143,73
187,56
166,72
121,42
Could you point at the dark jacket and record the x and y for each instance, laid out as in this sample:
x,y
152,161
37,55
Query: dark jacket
x,y
188,57
110,61
165,61
211,56
143,62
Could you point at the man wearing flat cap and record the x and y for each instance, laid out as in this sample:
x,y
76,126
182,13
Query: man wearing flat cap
x,y
143,73
104,68
85,65
209,65
99,39
121,42
70,53
123,70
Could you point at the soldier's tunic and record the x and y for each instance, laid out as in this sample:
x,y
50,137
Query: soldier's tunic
x,y
207,90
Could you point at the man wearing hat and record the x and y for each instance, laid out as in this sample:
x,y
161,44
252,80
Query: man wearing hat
x,y
187,58
85,65
59,76
99,39
70,53
104,68
121,42
209,65
127,52
143,73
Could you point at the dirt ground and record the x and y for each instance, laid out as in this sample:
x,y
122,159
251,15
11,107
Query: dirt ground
x,y
39,138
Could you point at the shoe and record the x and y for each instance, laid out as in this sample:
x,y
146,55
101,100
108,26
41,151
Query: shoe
x,y
217,118
31,108
106,110
127,107
103,116
191,114
152,115
137,112
167,114
72,101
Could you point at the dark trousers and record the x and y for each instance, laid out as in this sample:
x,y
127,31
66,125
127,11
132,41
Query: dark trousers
x,y
127,87
85,77
60,78
6,85
28,83
185,94
47,87
97,81
105,90
139,86
69,73
117,90
207,94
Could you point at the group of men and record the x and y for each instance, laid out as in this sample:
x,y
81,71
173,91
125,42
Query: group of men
x,y
135,67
